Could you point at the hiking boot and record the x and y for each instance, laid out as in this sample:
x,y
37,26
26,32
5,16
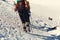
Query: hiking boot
x,y
25,29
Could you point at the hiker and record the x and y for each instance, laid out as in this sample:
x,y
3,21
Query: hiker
x,y
23,9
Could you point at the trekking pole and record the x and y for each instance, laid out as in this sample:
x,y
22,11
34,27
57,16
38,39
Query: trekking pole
x,y
31,19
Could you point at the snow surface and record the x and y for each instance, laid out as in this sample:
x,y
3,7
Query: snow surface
x,y
11,27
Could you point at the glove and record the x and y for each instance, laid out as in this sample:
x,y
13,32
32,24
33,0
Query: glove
x,y
15,8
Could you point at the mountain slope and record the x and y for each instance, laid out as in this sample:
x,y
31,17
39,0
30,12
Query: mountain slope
x,y
11,27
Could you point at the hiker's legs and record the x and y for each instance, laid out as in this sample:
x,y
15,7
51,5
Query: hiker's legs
x,y
26,17
23,21
27,22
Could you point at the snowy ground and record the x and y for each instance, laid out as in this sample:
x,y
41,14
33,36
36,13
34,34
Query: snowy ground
x,y
11,27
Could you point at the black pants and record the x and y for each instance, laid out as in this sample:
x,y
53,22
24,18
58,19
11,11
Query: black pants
x,y
24,16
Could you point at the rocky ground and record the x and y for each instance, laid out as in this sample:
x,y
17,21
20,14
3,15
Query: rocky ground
x,y
12,29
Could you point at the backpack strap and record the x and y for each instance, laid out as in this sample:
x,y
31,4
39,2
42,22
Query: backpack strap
x,y
15,8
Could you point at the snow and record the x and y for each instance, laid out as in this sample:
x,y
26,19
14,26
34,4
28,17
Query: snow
x,y
11,27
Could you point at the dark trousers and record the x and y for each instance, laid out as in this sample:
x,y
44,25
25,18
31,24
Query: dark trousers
x,y
24,16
